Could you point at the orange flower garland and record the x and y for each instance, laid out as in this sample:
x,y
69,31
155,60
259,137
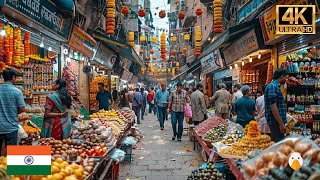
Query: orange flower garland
x,y
163,50
199,11
181,15
217,16
162,14
26,43
125,10
198,39
142,13
111,13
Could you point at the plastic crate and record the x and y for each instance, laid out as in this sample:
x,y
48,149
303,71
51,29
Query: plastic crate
x,y
127,158
126,148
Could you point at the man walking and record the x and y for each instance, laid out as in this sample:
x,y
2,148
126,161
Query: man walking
x,y
275,109
137,104
198,104
11,104
177,102
144,102
103,97
161,101
222,99
150,99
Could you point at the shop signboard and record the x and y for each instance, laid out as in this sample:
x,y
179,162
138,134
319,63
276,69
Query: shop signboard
x,y
126,75
103,56
242,47
268,18
125,63
43,12
82,42
134,79
211,62
236,74
184,68
250,8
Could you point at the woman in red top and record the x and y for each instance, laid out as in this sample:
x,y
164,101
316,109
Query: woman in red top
x,y
150,99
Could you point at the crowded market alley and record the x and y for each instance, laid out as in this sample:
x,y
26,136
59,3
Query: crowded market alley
x,y
160,90
157,157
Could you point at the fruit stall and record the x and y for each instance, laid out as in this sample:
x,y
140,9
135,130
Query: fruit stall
x,y
87,153
248,154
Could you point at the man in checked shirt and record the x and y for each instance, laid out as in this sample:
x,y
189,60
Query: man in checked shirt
x,y
275,108
177,103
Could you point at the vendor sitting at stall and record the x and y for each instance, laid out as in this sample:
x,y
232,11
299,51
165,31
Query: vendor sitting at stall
x,y
57,118
245,107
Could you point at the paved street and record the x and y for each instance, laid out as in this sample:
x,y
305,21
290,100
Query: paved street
x,y
158,157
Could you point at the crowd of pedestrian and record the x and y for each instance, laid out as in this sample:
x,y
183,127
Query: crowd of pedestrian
x,y
191,105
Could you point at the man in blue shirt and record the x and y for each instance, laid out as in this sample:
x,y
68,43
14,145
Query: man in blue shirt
x,y
275,108
137,104
245,107
161,101
103,97
11,104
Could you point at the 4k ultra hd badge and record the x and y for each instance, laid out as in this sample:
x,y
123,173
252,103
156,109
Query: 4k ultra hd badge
x,y
296,19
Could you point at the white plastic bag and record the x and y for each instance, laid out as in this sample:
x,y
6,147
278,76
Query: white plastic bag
x,y
21,133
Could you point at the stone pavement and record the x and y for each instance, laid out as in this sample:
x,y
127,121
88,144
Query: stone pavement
x,y
158,157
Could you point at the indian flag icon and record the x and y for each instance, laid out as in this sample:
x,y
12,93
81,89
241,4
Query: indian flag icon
x,y
29,160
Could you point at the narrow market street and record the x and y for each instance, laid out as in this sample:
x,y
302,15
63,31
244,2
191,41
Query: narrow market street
x,y
158,157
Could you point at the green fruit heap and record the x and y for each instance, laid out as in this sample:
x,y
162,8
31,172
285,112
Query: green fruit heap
x,y
208,173
216,134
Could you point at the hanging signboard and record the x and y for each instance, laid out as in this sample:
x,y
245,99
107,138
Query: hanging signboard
x,y
125,63
211,62
103,56
134,79
39,13
126,75
242,47
250,8
82,42
268,19
236,74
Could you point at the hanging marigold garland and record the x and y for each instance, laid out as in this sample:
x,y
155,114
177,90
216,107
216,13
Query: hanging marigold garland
x,y
217,16
131,38
142,12
162,14
199,11
125,10
181,15
186,37
111,13
198,39
26,43
154,40
163,50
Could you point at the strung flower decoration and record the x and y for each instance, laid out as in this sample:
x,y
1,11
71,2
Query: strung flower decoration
x,y
217,16
142,12
125,10
199,11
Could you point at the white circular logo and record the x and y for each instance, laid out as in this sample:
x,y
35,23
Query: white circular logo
x,y
28,160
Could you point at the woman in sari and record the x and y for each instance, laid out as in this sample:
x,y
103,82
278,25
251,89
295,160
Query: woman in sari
x,y
57,118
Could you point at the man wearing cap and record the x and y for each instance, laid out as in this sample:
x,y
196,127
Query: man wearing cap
x,y
177,102
161,101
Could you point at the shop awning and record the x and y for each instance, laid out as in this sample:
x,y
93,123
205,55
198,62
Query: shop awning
x,y
228,36
125,50
190,70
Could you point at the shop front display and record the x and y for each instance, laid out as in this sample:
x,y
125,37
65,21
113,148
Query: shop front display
x,y
302,92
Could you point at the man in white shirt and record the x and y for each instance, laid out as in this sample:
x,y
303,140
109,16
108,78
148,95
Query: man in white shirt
x,y
261,119
237,93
